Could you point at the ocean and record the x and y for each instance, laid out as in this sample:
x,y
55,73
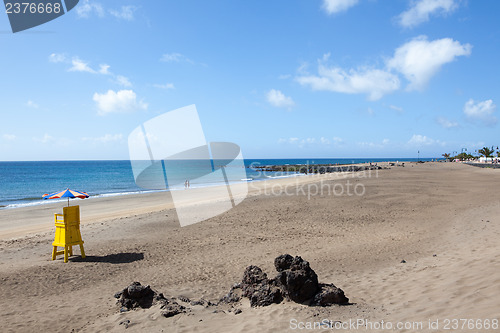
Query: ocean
x,y
24,183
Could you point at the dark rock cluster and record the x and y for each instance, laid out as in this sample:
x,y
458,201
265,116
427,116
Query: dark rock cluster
x,y
258,288
171,308
139,296
136,296
328,294
296,281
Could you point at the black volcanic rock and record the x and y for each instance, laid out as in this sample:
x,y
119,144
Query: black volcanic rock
x,y
258,288
296,278
266,294
283,262
139,296
136,296
171,309
234,295
296,281
328,295
252,278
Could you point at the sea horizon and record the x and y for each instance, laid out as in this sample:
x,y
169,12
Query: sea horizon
x,y
285,158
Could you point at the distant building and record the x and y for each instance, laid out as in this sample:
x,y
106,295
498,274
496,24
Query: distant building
x,y
483,159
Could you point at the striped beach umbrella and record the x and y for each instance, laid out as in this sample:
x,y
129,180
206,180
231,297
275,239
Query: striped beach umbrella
x,y
67,193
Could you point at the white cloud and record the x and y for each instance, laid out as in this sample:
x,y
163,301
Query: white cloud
x,y
48,139
31,104
336,6
374,82
420,11
396,108
125,13
57,57
284,76
45,139
175,57
80,66
292,140
104,69
311,141
120,101
303,68
278,99
481,111
123,81
77,64
86,8
373,145
422,140
324,141
337,140
419,59
9,137
446,123
165,86
105,139
168,57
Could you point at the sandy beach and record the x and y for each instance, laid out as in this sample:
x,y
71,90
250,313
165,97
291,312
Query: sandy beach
x,y
419,246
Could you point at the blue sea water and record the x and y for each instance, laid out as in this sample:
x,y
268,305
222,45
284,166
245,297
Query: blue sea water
x,y
24,183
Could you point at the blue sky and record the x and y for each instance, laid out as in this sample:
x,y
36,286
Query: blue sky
x,y
297,79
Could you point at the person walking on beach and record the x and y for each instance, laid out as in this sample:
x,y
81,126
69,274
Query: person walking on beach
x,y
186,184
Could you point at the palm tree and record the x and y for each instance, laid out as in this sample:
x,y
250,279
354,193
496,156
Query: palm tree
x,y
464,156
486,152
446,156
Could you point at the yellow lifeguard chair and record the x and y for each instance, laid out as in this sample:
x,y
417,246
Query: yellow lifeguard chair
x,y
67,232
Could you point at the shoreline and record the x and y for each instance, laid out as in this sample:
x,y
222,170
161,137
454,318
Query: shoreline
x,y
26,202
39,218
